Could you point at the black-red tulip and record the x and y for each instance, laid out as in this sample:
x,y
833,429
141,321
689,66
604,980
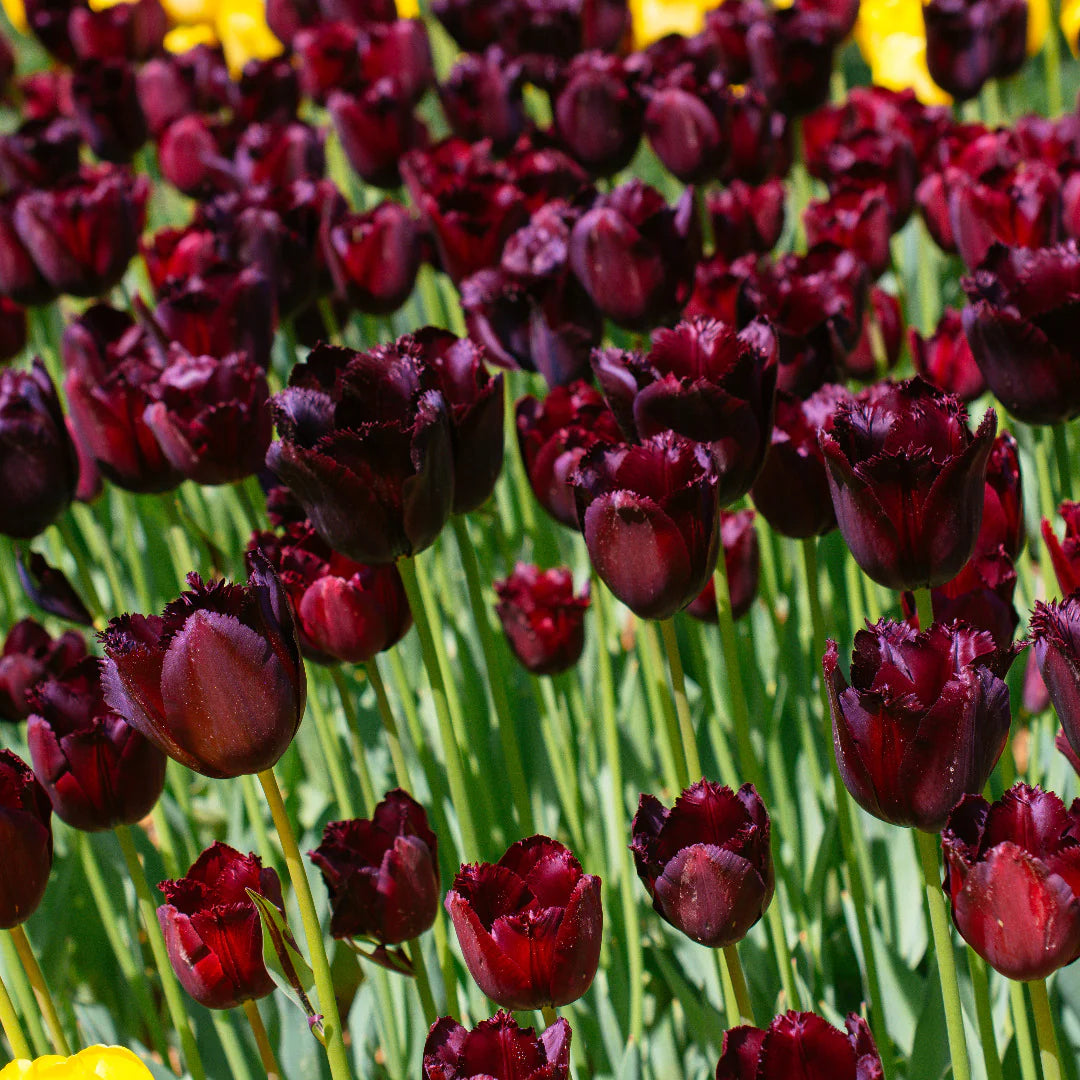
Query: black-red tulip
x,y
482,97
746,217
49,589
855,219
327,55
685,125
1055,634
791,57
26,837
1065,553
878,349
107,109
39,153
29,655
742,565
278,154
970,41
376,129
543,620
945,360
496,1049
1003,500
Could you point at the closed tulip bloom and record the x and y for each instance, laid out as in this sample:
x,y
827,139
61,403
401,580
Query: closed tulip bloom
x,y
747,217
97,770
376,129
530,925
496,1049
107,109
39,153
649,515
742,561
216,681
1012,876
1003,501
791,57
924,720
1065,553
855,219
1055,634
26,837
706,862
907,478
133,31
382,874
29,655
684,123
543,620
800,1046
37,457
49,589
970,41
213,932
944,359
482,97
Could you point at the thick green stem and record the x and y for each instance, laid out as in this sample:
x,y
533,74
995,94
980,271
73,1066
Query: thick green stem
x,y
1024,1046
1052,61
235,1055
24,995
262,1040
1063,461
732,1012
688,737
943,946
20,1048
41,990
661,707
549,1014
423,982
1049,1052
924,605
738,984
320,965
981,987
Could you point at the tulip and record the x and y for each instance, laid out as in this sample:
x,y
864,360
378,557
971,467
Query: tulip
x,y
924,720
375,129
649,515
29,654
496,1049
278,154
37,457
706,862
944,359
97,771
529,926
191,151
20,279
800,1046
1055,635
107,109
1065,554
907,478
878,347
970,41
49,588
347,417
746,217
212,928
216,681
482,98
854,219
398,52
759,137
327,55
1062,744
39,153
26,835
382,874
684,123
543,620
133,31
114,1062
742,563
179,253
791,57
1010,876
1003,500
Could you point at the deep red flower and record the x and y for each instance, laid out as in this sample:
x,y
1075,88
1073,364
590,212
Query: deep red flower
x,y
856,219
482,97
26,836
29,655
107,108
1065,553
376,129
496,1049
970,41
742,562
945,360
543,620
746,217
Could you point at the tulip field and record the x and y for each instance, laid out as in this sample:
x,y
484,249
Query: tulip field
x,y
539,539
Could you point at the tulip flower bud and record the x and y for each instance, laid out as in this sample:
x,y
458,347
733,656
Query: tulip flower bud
x,y
1003,501
706,862
216,681
856,220
29,655
1010,876
742,563
1055,633
107,109
26,838
543,620
944,359
212,928
530,925
98,772
936,700
376,129
746,217
496,1049
382,874
482,98
1065,553
970,41
791,57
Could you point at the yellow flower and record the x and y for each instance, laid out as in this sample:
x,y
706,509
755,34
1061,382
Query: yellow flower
x,y
1038,24
243,33
181,38
408,9
93,1063
1070,23
190,12
900,62
655,18
15,10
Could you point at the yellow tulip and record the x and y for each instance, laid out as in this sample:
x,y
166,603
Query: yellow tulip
x,y
655,18
181,38
899,62
190,12
1070,23
1038,24
408,9
93,1063
243,33
15,10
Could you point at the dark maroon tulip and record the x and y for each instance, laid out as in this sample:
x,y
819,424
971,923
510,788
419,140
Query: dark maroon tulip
x,y
344,610
376,128
746,217
649,515
473,24
854,219
482,97
382,874
20,278
278,154
800,1046
944,359
553,436
26,836
213,931
970,41
191,156
39,153
496,1049
791,57
347,417
907,478
874,161
1021,323
742,562
268,92
878,349
83,235
398,52
107,109
132,31
37,457
1055,633
164,86
1003,500
1012,878
758,137
216,681
328,59
12,329
48,21
46,94
360,13
98,772
685,125
706,862
182,252
49,589
635,255
530,925
29,655
1065,554
543,620
924,720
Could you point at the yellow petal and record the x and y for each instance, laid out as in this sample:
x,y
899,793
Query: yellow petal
x,y
655,18
899,62
22,1069
1070,23
93,1063
15,10
408,9
102,5
181,38
190,12
1038,25
244,35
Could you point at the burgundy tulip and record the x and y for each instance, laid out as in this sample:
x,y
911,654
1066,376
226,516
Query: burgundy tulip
x,y
543,620
878,349
482,97
29,654
183,252
685,125
97,770
376,128
758,137
496,1049
742,562
328,55
907,478
1003,500
791,57
970,41
1065,553
746,217
924,720
944,359
530,925
1011,877
131,31
216,681
49,589
213,932
278,154
382,874
39,153
706,862
26,835
1055,634
107,109
855,219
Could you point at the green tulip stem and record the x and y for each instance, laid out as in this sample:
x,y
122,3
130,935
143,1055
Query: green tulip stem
x,y
262,1041
1052,64
688,737
927,847
738,983
320,965
1022,1026
858,872
423,982
1047,503
389,723
235,1054
24,996
654,677
352,722
550,1015
169,984
1049,1052
41,990
9,1021
732,1012
980,985
455,769
924,605
1063,461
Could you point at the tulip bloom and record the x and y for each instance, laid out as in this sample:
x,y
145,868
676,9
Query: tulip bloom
x,y
706,862
1065,553
924,720
382,874
26,839
212,928
1011,878
945,360
1003,501
216,681
746,217
1055,633
496,1049
108,1062
29,654
530,925
742,565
